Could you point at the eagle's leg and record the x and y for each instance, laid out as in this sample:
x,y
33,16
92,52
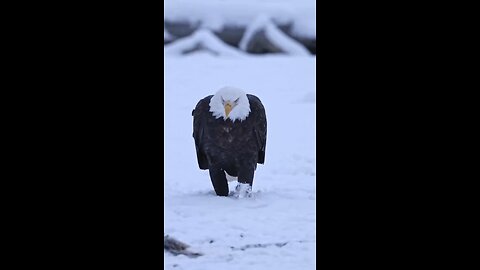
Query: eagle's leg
x,y
245,174
219,181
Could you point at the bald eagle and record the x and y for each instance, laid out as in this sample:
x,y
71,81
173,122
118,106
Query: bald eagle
x,y
230,133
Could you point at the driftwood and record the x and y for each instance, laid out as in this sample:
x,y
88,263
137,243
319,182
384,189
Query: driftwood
x,y
264,36
176,247
233,34
202,40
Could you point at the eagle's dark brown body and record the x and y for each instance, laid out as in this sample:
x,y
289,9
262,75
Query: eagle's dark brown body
x,y
224,145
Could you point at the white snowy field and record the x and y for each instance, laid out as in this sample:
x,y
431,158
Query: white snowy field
x,y
276,228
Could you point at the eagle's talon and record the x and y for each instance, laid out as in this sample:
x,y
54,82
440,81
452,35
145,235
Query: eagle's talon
x,y
243,190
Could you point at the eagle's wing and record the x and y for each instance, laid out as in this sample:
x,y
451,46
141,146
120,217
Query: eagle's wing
x,y
260,125
200,114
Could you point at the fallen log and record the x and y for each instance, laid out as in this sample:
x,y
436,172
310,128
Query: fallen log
x,y
176,247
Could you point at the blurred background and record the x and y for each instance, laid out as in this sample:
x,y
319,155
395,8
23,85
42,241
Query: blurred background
x,y
252,26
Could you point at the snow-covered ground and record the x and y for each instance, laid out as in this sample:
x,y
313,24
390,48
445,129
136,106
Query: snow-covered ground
x,y
276,229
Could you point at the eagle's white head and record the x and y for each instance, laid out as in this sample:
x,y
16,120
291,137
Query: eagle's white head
x,y
230,102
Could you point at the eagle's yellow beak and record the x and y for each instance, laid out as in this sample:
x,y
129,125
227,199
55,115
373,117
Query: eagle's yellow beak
x,y
228,108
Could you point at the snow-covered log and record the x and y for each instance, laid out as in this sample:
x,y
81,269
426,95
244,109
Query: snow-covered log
x,y
202,40
263,36
219,14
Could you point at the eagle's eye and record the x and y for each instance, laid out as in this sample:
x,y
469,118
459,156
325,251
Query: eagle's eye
x,y
223,101
236,100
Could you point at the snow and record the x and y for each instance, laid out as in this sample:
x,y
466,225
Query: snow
x,y
285,43
215,14
230,178
205,40
276,227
